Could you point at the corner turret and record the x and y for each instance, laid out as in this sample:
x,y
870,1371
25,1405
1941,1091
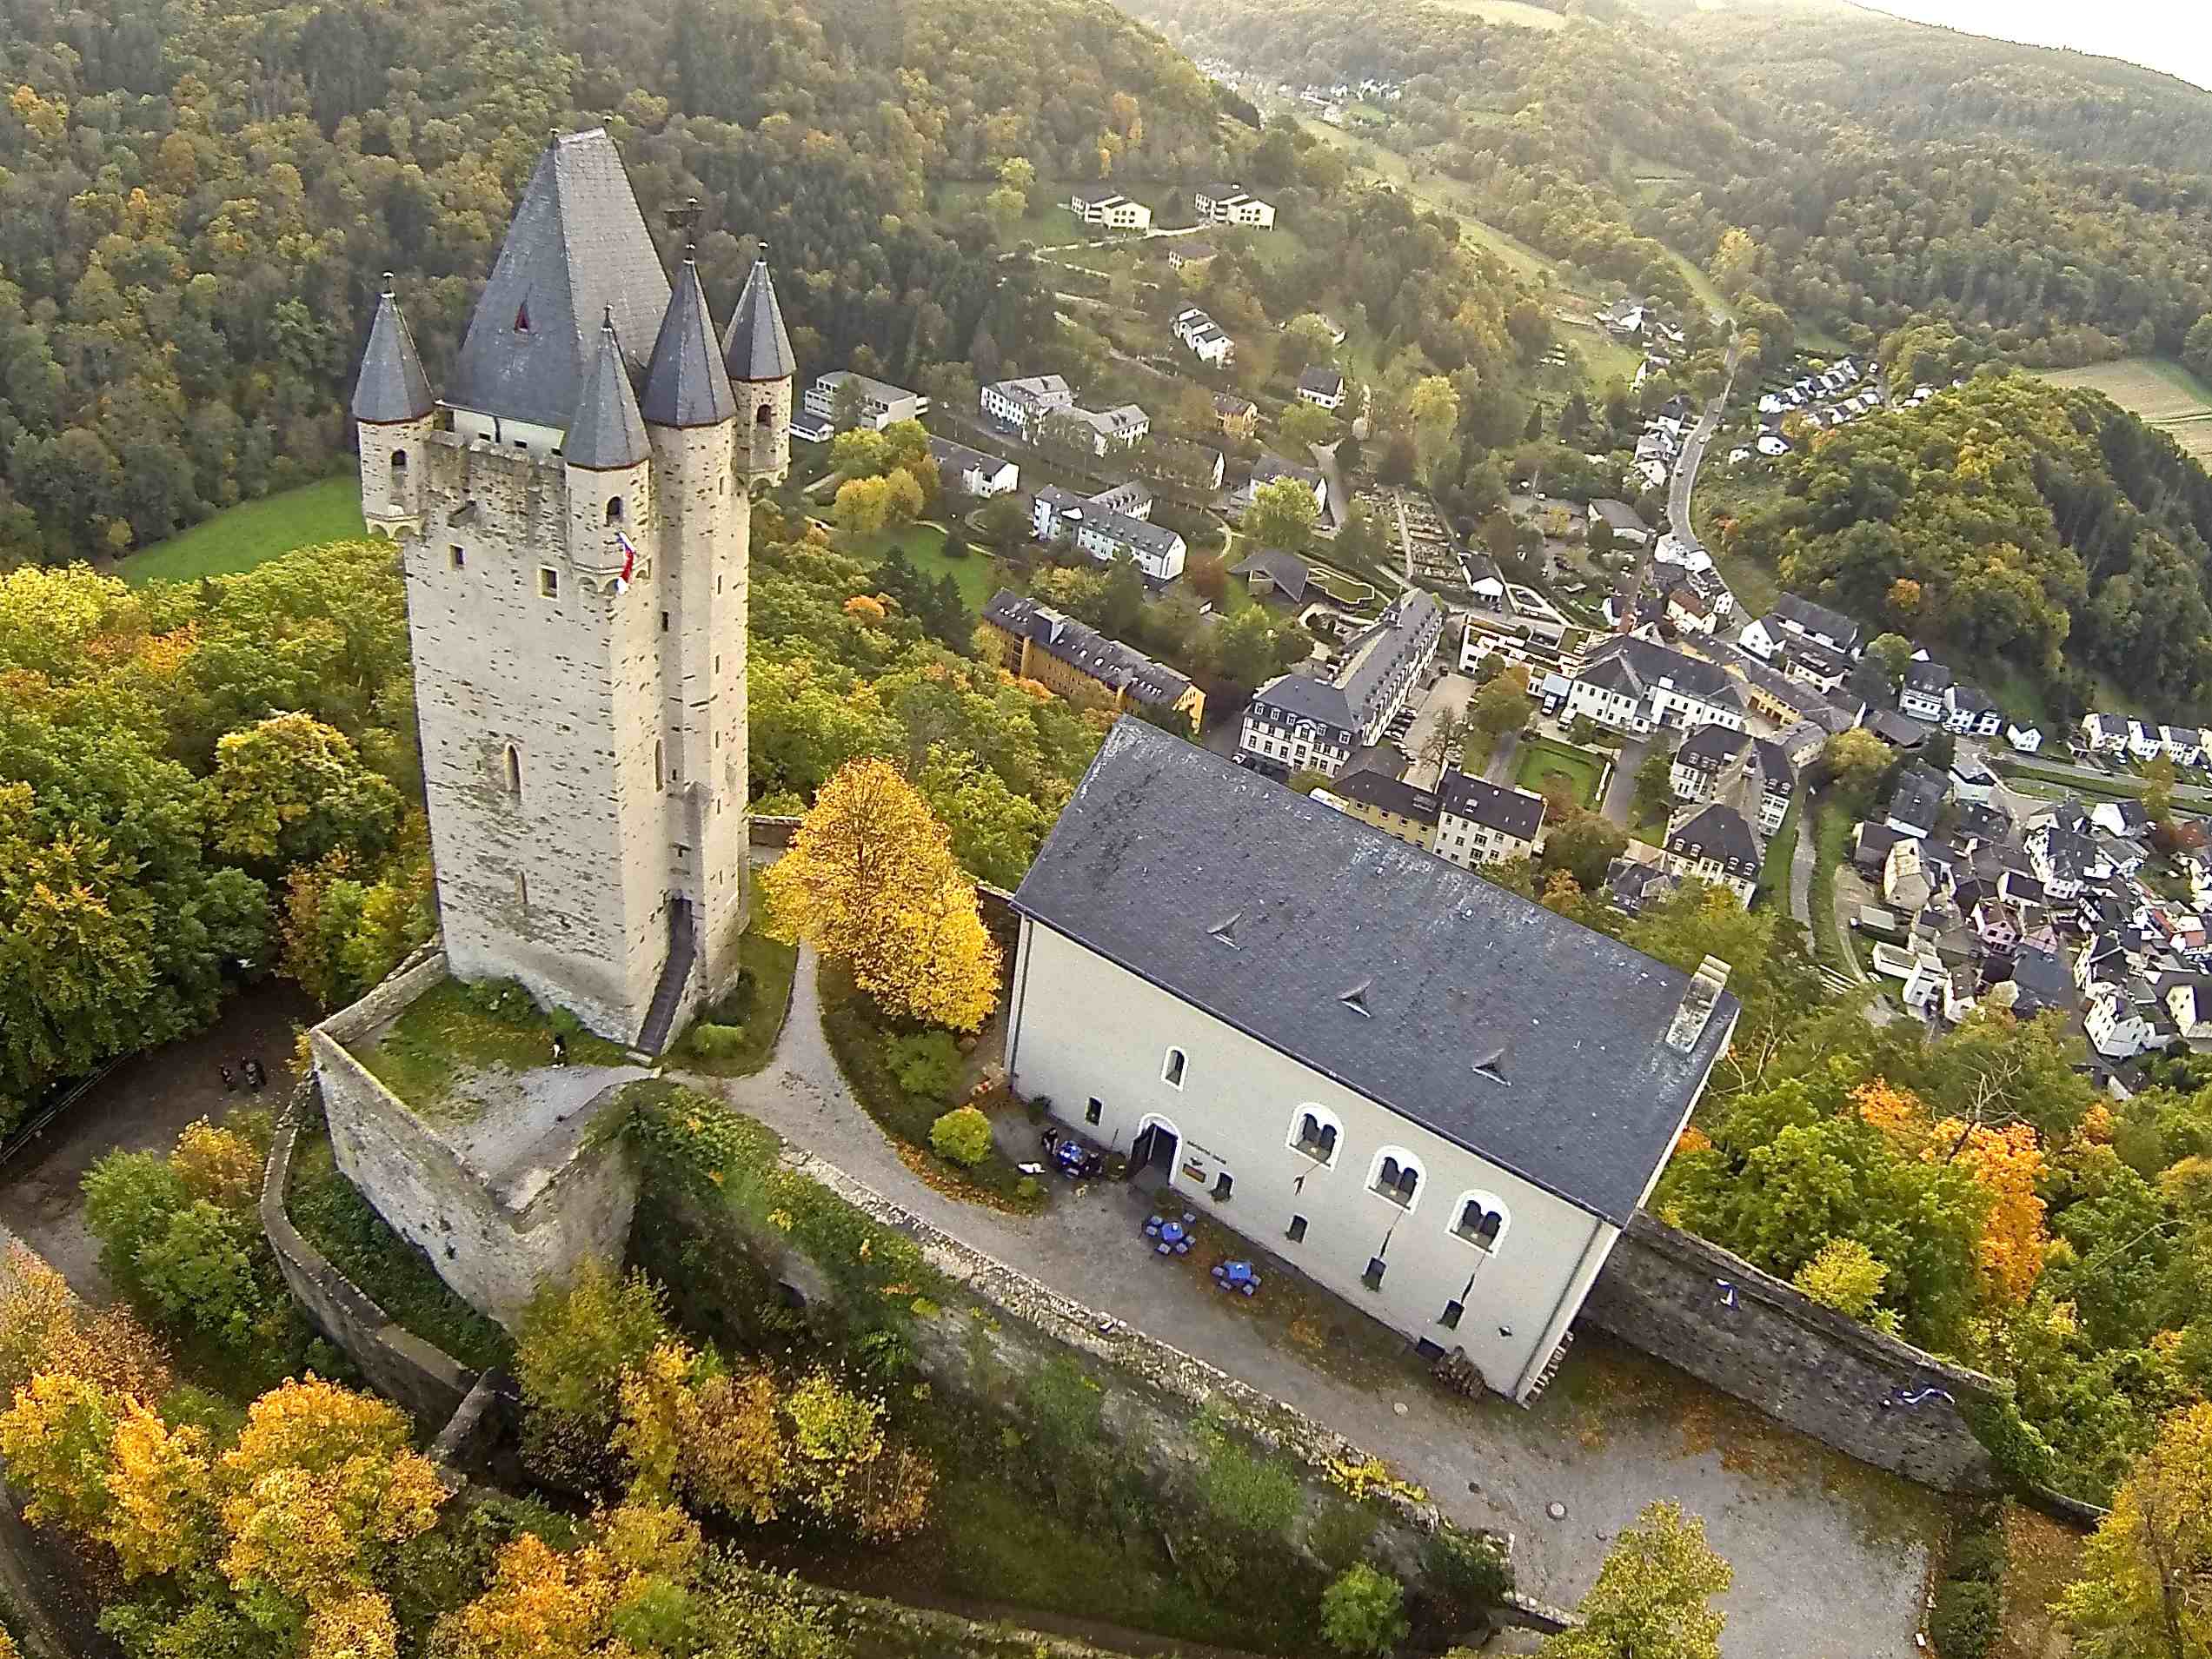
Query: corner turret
x,y
610,472
757,351
393,413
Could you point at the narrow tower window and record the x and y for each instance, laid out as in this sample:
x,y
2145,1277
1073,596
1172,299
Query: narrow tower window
x,y
659,766
399,466
1172,1072
613,509
548,582
766,416
514,771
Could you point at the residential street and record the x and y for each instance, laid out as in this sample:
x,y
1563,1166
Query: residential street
x,y
1802,859
1684,481
1829,1555
1619,804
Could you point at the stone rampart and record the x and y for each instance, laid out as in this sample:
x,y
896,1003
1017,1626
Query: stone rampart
x,y
1749,1334
494,1237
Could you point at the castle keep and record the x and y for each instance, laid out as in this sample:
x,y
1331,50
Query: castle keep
x,y
574,515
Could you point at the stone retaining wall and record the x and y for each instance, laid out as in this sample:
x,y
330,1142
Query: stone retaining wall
x,y
425,1379
1714,1314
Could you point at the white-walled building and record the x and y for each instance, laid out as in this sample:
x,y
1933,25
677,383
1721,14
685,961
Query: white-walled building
x,y
980,475
1021,402
1638,686
880,402
1110,210
1097,528
1232,205
1304,723
1351,1050
1203,337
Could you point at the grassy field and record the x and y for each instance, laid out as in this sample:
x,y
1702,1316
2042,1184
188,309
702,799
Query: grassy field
x,y
1773,890
253,533
924,545
1504,12
2157,388
1544,758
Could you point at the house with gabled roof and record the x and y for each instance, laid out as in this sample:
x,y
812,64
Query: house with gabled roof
x,y
1638,686
1438,1100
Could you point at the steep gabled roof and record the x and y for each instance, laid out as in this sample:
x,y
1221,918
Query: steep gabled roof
x,y
605,431
392,386
576,249
756,346
1163,846
685,383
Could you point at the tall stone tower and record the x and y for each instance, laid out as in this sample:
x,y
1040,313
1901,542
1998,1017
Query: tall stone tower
x,y
757,352
574,516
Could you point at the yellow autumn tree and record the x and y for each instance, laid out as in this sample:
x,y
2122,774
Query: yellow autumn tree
x,y
218,1165
544,1604
163,1516
870,881
1896,1112
55,1440
44,1329
2007,1164
2146,1577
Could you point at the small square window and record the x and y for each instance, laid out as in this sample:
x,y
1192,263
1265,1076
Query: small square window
x,y
1373,1278
1223,1183
457,557
1095,1110
548,582
1450,1318
1297,1233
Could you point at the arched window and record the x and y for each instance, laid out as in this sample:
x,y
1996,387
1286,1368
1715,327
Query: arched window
x,y
1315,1131
766,415
1396,1175
613,509
399,466
660,766
514,772
1170,1071
1481,1219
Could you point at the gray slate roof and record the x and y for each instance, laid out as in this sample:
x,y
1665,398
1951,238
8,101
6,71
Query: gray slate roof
x,y
605,431
1816,618
392,386
1289,573
1515,812
1163,846
685,383
756,346
1083,648
1715,831
1303,696
1389,794
577,247
1637,664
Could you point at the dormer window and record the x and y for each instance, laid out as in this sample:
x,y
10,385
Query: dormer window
x,y
522,318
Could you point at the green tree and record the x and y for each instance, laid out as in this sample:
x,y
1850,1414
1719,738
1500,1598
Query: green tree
x,y
1856,763
1582,844
1655,784
291,790
1362,1611
1433,408
1892,653
2196,349
1305,424
1282,514
2145,1584
1652,1599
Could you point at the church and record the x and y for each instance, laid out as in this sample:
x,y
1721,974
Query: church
x,y
574,511
1433,1097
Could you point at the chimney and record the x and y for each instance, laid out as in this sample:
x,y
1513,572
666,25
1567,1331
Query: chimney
x,y
1697,1004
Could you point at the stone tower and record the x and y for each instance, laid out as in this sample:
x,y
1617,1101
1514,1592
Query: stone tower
x,y
757,352
574,516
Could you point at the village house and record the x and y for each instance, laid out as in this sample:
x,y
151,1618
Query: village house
x,y
1797,618
1093,524
1273,570
1362,1056
1119,428
1300,722
1037,642
880,402
1638,686
2105,734
1203,338
981,476
1232,205
1268,469
1479,822
1627,524
1921,697
1191,253
1020,403
1968,711
1240,416
1709,751
1915,801
1110,210
1321,385
1713,843
1399,809
2025,739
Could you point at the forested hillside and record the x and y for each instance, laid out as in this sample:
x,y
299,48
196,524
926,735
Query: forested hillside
x,y
2017,196
2010,519
195,201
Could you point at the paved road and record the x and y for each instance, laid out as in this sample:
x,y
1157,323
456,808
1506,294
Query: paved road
x,y
1802,859
1829,1556
1693,455
1500,769
1620,792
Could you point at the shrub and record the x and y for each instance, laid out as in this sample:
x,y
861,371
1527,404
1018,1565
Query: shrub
x,y
1964,1620
1468,1569
1364,1612
1978,1554
963,1136
576,1341
1340,1534
1246,1493
712,1042
927,1064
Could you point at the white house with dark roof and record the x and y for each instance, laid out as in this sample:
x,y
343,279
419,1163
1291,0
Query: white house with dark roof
x,y
1638,686
1441,1102
1478,822
1921,697
1110,210
1204,337
1795,618
2105,734
1232,205
1021,402
1300,722
1707,752
978,474
1970,712
1321,385
880,402
1626,523
1268,469
1058,514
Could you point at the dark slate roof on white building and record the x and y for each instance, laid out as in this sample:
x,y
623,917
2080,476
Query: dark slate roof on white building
x,y
1379,966
685,382
1303,697
1408,627
1637,665
1926,675
1816,619
1917,797
1513,812
1717,832
392,386
576,249
1621,516
756,345
1268,469
1289,573
1319,377
1389,794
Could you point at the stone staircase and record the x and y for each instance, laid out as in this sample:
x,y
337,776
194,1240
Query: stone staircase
x,y
667,995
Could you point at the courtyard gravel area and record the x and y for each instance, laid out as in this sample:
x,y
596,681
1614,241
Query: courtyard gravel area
x,y
1830,1556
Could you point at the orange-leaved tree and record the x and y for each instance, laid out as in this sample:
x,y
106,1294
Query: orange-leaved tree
x,y
870,881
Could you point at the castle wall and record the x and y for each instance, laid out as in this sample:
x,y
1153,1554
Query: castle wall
x,y
1714,1314
564,1200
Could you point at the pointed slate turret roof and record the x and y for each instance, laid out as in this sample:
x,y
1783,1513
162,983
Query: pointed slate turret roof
x,y
686,384
605,431
577,249
756,347
392,386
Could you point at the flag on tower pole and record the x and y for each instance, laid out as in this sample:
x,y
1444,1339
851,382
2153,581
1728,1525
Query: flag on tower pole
x,y
629,562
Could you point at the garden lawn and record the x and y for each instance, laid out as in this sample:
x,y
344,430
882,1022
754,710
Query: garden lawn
x,y
924,545
1781,853
253,533
1832,828
453,1030
1541,756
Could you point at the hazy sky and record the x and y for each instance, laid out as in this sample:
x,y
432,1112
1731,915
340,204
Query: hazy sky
x,y
2175,35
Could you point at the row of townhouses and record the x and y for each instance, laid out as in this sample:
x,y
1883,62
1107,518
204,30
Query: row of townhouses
x,y
1036,643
